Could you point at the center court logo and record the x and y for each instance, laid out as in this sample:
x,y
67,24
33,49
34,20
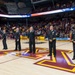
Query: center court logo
x,y
62,61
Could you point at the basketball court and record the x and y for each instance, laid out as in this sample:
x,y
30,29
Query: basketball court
x,y
40,64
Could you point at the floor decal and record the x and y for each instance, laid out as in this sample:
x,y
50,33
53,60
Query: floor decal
x,y
40,52
61,62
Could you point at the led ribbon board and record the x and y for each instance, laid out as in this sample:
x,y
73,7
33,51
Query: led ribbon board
x,y
15,16
38,14
53,12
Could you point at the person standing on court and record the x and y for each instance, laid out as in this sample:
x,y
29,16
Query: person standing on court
x,y
4,36
72,36
4,40
52,41
31,36
17,40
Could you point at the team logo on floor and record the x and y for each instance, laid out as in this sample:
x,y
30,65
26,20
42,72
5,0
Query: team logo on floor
x,y
61,62
40,52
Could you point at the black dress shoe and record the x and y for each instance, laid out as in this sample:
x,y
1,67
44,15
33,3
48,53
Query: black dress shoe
x,y
48,55
73,58
4,48
54,56
29,52
15,50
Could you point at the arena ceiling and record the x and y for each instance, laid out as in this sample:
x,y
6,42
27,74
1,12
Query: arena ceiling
x,y
4,4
